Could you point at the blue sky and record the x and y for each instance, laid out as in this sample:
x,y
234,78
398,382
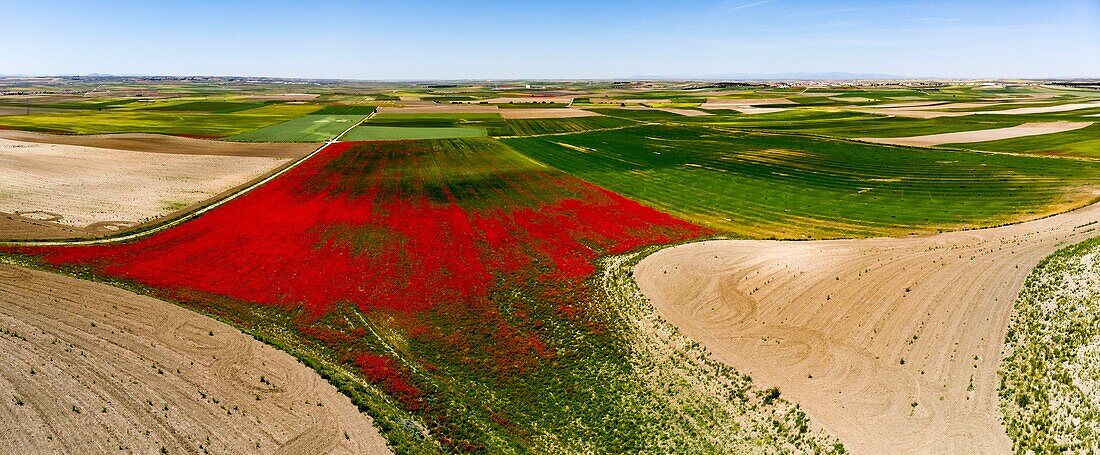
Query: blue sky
x,y
559,39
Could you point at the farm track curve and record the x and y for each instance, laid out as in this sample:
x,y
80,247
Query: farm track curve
x,y
891,344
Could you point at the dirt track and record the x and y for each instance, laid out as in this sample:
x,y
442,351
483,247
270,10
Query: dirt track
x,y
857,331
90,368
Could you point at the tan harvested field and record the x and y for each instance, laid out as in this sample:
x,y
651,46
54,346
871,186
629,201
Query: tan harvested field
x,y
922,109
725,103
908,104
439,109
747,106
852,99
684,112
92,368
891,344
1027,129
759,110
910,112
162,143
1046,109
526,100
550,112
57,191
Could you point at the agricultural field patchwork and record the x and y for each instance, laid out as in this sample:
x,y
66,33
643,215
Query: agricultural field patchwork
x,y
769,185
467,264
307,128
533,127
207,106
184,123
391,133
488,257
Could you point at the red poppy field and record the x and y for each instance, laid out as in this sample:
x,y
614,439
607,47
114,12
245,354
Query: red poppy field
x,y
415,263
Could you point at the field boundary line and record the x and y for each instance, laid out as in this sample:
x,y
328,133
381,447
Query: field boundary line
x,y
190,215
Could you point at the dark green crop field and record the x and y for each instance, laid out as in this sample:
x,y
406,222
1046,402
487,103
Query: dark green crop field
x,y
528,127
345,109
768,185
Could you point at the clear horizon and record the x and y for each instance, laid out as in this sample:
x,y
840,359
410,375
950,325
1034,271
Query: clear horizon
x,y
432,40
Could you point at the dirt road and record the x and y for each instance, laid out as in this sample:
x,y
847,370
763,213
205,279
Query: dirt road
x,y
90,368
891,344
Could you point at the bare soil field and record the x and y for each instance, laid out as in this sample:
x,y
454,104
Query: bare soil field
x,y
891,344
57,191
908,104
852,99
1046,109
1027,129
685,112
925,109
526,100
911,112
162,143
553,112
747,106
726,102
90,368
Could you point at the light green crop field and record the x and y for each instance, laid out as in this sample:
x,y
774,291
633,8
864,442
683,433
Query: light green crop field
x,y
392,133
308,128
771,185
202,124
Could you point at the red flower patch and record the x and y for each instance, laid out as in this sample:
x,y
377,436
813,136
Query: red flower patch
x,y
401,227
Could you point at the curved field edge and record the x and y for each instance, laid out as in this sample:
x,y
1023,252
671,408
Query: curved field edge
x,y
177,217
708,394
1050,372
714,409
402,430
468,368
